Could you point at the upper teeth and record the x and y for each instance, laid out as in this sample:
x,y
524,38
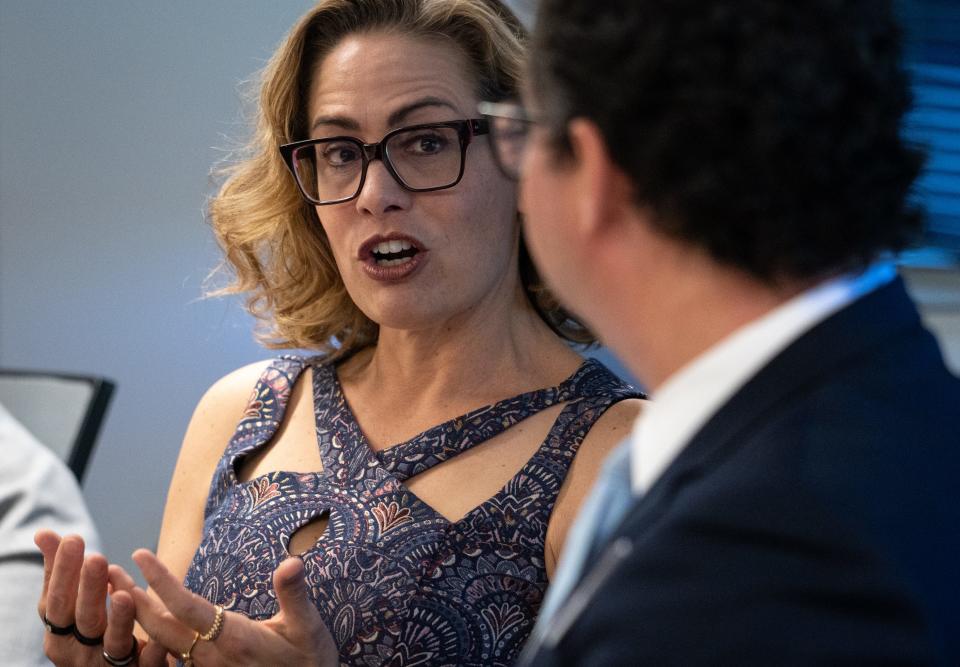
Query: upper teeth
x,y
396,245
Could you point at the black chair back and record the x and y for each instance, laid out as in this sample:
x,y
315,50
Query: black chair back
x,y
63,411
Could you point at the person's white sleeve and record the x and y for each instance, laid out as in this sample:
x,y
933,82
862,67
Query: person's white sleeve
x,y
36,491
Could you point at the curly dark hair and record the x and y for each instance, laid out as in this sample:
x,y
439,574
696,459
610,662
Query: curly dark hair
x,y
767,132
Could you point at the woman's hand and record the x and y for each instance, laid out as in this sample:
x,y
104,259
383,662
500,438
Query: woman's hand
x,y
176,618
73,604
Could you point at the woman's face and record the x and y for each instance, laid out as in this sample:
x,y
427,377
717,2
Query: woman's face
x,y
413,260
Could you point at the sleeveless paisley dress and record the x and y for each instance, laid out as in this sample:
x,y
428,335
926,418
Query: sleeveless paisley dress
x,y
396,582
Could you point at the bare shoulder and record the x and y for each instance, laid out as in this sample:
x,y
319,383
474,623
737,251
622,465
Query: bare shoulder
x,y
613,426
608,432
227,397
219,410
234,386
216,417
214,420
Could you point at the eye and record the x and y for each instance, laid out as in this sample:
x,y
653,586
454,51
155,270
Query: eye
x,y
425,143
339,153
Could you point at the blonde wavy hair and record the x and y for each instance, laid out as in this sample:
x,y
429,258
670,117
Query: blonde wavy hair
x,y
272,238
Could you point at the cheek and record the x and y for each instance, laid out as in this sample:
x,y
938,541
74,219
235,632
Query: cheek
x,y
336,239
489,218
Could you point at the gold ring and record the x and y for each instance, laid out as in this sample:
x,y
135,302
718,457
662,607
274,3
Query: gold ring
x,y
185,657
217,626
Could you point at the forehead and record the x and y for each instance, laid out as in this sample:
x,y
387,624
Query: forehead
x,y
368,76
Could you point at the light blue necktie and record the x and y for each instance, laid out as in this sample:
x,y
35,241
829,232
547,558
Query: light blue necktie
x,y
600,515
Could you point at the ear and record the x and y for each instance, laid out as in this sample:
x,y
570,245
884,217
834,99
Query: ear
x,y
603,189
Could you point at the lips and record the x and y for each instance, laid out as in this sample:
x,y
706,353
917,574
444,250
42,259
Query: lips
x,y
391,257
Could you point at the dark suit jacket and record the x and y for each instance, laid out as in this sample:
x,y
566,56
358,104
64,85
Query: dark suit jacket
x,y
815,519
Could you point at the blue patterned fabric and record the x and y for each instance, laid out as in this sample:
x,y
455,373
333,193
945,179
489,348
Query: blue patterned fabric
x,y
396,582
599,515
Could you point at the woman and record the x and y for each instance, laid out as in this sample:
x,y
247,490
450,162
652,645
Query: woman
x,y
445,400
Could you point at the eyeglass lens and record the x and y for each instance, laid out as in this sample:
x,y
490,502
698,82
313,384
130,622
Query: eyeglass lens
x,y
422,159
510,139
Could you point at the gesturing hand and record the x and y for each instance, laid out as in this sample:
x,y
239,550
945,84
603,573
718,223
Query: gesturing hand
x,y
177,619
73,604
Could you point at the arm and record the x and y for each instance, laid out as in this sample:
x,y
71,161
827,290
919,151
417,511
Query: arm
x,y
75,585
609,431
171,615
211,427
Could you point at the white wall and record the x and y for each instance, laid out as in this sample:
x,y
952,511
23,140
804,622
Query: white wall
x,y
111,116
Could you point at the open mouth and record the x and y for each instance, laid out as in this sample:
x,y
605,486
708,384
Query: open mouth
x,y
394,252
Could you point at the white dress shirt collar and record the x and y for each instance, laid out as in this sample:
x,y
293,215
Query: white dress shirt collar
x,y
688,398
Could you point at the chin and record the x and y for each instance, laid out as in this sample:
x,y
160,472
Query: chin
x,y
404,315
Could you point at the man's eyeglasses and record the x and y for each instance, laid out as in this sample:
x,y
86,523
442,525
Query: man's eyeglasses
x,y
420,158
509,128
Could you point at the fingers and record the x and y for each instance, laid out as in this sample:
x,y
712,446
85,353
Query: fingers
x,y
189,608
159,623
48,542
304,627
44,537
291,588
153,655
119,579
174,617
91,609
61,597
118,637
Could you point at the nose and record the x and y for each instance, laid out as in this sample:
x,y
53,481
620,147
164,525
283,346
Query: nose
x,y
381,193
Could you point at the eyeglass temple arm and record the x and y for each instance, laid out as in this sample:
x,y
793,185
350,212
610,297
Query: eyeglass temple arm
x,y
478,126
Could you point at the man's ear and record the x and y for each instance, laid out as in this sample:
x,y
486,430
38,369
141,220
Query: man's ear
x,y
603,189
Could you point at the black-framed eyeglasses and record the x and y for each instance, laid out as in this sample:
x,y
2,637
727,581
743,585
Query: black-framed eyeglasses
x,y
420,158
509,128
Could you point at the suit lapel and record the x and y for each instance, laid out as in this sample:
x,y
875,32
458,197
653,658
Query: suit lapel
x,y
855,332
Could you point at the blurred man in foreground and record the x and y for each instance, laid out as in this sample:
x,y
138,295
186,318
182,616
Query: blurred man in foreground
x,y
716,188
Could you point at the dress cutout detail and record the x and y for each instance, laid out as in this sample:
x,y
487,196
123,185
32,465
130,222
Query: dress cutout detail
x,y
396,582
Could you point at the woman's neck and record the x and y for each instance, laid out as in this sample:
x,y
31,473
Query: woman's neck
x,y
496,350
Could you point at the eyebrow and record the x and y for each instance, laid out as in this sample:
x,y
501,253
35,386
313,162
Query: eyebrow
x,y
393,120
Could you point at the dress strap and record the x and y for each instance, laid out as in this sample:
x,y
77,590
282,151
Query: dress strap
x,y
592,380
520,512
526,502
266,406
562,443
260,421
